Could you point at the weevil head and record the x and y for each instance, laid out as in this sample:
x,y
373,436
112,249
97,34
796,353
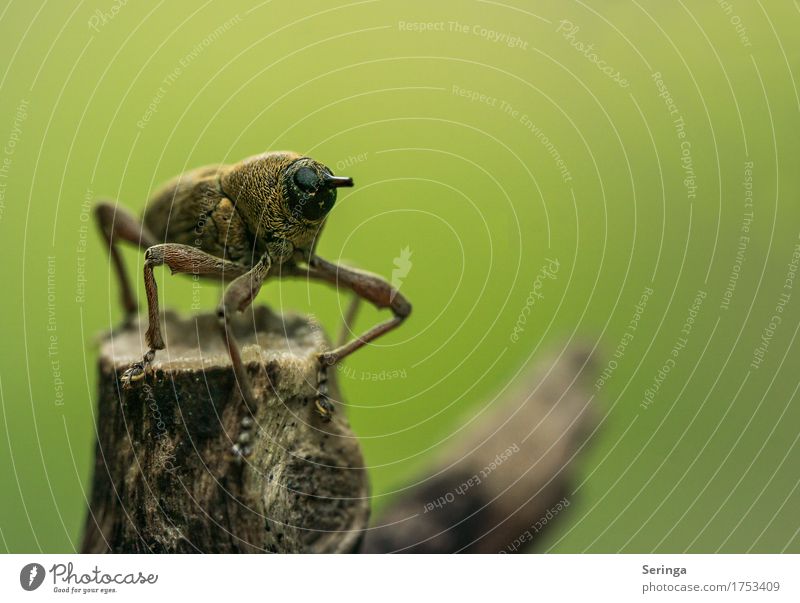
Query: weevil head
x,y
282,195
310,189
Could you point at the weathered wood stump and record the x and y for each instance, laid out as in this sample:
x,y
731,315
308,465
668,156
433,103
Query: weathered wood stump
x,y
165,479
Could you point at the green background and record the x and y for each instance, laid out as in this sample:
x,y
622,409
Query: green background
x,y
481,203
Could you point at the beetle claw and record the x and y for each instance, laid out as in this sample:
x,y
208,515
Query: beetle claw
x,y
324,407
134,373
322,402
137,370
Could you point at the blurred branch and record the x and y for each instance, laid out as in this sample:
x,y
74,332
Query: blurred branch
x,y
507,480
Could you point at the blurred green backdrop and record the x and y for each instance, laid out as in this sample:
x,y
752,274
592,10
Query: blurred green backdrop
x,y
636,143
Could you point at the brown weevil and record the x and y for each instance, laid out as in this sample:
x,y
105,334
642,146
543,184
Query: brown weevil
x,y
242,224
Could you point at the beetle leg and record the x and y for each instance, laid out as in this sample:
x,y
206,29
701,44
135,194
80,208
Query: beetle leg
x,y
180,259
349,319
115,224
367,286
322,403
237,297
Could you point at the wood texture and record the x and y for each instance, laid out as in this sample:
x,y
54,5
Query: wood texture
x,y
165,479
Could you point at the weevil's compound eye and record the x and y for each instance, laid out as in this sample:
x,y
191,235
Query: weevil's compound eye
x,y
319,203
307,180
312,189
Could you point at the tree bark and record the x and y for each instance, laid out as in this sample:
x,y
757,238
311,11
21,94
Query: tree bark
x,y
165,479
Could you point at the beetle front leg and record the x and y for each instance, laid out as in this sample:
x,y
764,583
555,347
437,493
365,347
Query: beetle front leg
x,y
180,259
237,297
